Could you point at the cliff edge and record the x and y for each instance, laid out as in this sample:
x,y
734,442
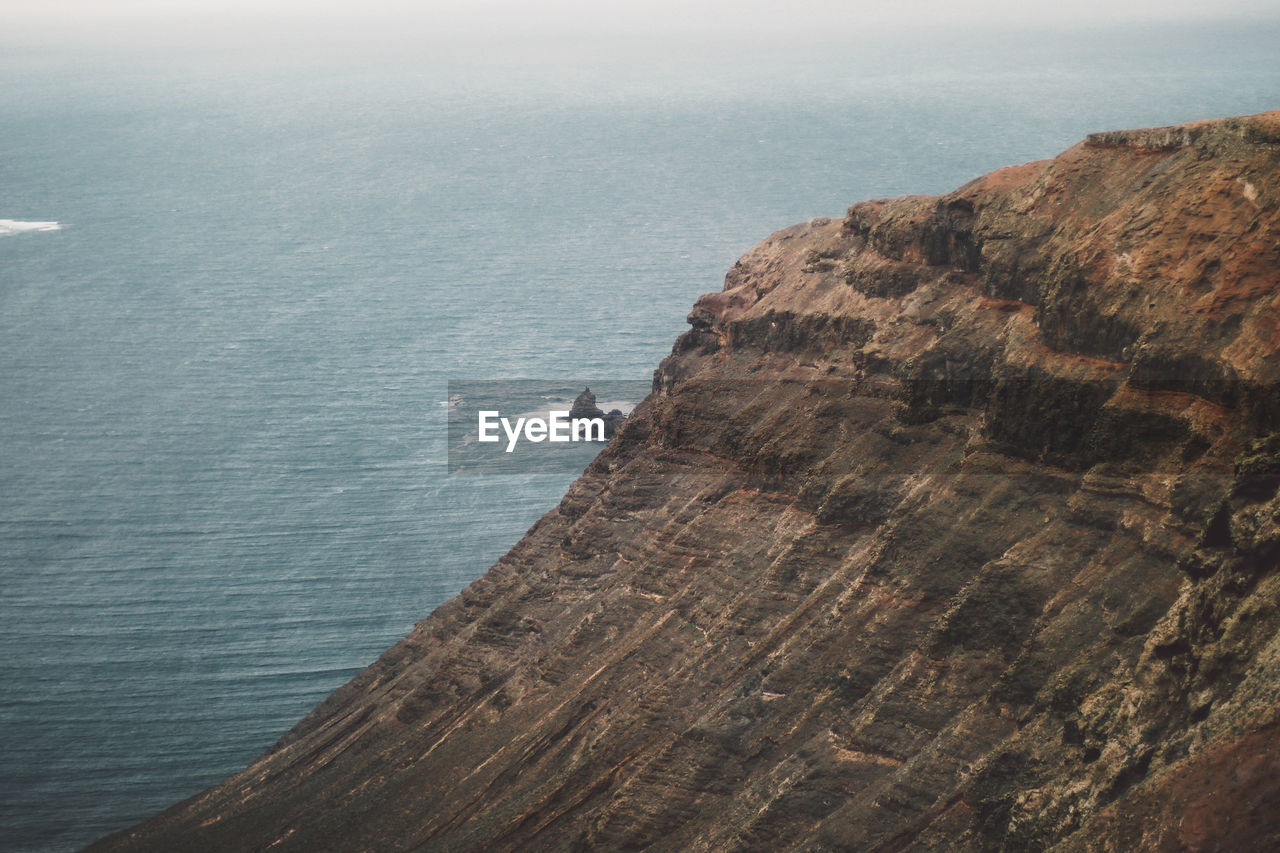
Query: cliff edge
x,y
952,524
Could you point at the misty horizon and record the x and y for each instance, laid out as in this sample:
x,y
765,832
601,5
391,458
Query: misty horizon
x,y
238,23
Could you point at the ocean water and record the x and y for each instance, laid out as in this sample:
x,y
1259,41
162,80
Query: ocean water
x,y
233,291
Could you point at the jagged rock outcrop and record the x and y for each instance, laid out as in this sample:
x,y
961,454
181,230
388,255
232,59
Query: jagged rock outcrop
x,y
584,406
952,524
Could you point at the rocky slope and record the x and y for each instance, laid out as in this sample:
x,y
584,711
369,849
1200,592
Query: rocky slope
x,y
952,524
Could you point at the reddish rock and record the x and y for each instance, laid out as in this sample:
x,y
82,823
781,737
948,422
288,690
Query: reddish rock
x,y
950,525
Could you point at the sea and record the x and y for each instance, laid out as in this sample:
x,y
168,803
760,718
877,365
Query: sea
x,y
235,287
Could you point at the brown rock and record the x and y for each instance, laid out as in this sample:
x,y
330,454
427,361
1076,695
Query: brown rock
x,y
584,406
950,525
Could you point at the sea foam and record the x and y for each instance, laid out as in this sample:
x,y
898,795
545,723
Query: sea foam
x,y
9,227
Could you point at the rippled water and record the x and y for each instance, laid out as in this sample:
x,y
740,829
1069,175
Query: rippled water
x,y
232,296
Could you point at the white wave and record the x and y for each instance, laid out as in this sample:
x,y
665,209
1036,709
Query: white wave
x,y
624,406
17,226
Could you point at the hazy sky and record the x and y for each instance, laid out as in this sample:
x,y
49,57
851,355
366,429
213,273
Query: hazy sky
x,y
108,19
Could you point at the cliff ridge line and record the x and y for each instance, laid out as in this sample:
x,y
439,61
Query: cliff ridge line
x,y
950,524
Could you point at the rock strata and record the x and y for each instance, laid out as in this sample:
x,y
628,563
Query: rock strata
x,y
951,524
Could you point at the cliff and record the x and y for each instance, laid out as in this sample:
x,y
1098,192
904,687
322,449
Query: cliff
x,y
952,524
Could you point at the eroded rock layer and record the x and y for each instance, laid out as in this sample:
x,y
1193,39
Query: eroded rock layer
x,y
952,524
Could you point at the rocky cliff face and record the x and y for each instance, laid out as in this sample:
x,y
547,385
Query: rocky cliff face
x,y
952,524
